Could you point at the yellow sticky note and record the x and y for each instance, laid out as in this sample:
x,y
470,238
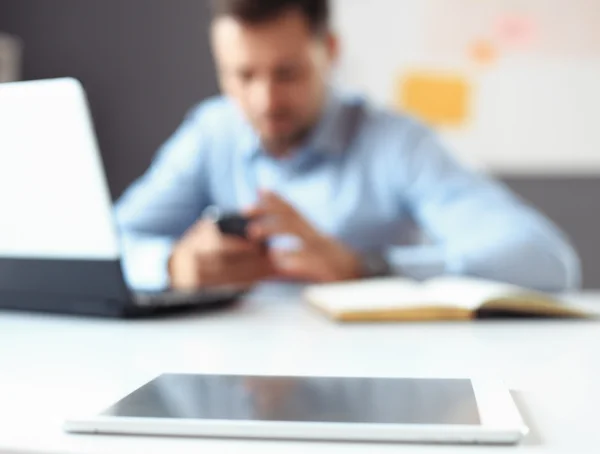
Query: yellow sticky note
x,y
436,98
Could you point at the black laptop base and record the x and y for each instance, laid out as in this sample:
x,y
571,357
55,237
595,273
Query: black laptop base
x,y
84,287
62,304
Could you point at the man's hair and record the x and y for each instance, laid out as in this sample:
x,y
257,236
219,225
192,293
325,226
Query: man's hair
x,y
316,12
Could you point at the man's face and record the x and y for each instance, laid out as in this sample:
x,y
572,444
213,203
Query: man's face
x,y
277,72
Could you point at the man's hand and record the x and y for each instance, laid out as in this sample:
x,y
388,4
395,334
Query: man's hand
x,y
320,258
206,257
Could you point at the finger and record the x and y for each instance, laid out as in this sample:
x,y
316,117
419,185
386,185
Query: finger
x,y
242,270
274,216
275,203
205,236
254,211
232,245
260,231
268,219
203,229
270,204
240,259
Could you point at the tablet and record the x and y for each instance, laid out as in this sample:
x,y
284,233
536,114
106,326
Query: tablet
x,y
428,410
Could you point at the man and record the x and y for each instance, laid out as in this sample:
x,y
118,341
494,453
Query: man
x,y
328,181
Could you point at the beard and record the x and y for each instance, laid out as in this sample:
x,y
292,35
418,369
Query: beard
x,y
281,144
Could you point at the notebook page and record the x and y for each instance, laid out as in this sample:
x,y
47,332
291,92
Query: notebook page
x,y
371,294
467,293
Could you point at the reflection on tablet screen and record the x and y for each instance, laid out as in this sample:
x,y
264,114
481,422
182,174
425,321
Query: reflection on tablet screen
x,y
303,399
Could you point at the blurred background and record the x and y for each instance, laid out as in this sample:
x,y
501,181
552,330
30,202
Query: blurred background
x,y
513,86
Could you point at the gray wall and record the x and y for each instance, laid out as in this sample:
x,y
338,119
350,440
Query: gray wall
x,y
574,204
145,62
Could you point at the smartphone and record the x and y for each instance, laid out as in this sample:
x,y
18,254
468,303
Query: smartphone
x,y
233,224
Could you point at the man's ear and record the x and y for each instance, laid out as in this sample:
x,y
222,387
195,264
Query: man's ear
x,y
332,43
215,57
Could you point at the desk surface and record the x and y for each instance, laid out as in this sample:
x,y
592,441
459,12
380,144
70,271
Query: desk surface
x,y
52,367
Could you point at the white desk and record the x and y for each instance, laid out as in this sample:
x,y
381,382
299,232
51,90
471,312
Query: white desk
x,y
51,367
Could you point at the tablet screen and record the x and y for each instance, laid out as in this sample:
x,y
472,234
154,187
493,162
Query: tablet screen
x,y
303,399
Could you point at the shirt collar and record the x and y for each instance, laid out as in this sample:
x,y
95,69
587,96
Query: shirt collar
x,y
325,138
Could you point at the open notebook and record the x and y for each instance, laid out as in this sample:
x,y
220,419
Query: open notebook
x,y
445,298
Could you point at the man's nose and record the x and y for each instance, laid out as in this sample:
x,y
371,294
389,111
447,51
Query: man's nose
x,y
266,96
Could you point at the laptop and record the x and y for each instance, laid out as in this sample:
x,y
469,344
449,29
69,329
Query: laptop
x,y
59,244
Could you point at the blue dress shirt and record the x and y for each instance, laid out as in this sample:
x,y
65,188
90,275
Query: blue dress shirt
x,y
363,176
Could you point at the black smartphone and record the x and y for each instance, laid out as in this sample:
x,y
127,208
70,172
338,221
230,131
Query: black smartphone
x,y
233,224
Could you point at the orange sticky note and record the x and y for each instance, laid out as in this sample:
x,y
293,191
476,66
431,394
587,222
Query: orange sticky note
x,y
483,52
436,98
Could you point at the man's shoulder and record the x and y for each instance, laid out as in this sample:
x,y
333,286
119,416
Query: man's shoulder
x,y
386,117
219,124
382,123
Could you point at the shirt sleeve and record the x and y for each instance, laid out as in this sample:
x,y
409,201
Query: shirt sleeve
x,y
161,205
479,227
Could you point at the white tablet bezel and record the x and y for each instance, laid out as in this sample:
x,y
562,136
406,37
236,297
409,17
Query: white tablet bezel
x,y
501,423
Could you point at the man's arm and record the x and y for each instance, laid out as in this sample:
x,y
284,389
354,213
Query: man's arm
x,y
158,208
481,228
